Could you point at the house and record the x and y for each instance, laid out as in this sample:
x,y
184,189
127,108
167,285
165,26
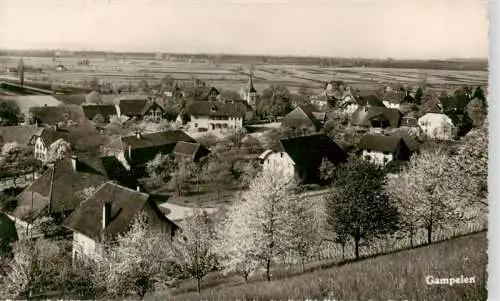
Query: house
x,y
140,108
305,117
54,115
43,139
302,156
21,134
61,188
395,99
141,148
381,149
375,118
409,121
60,68
26,102
437,126
319,101
110,212
205,115
91,111
204,93
190,150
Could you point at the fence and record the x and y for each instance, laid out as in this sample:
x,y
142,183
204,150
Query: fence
x,y
335,252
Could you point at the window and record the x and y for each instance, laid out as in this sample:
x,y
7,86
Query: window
x,y
195,125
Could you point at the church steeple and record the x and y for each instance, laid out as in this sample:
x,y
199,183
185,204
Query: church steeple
x,y
251,92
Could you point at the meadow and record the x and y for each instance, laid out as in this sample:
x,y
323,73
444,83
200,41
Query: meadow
x,y
231,75
396,276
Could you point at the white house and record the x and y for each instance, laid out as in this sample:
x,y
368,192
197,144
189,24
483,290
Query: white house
x,y
109,212
302,156
42,140
213,115
437,126
381,149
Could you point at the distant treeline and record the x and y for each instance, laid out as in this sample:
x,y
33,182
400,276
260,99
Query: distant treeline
x,y
451,64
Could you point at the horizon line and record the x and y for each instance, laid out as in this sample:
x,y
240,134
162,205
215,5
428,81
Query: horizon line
x,y
241,54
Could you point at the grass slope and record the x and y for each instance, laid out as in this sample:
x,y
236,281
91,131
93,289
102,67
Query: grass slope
x,y
399,276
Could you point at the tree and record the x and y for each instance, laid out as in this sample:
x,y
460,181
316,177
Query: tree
x,y
143,86
275,101
160,169
217,171
357,206
419,95
182,174
265,217
193,246
98,119
230,95
237,135
141,259
468,168
93,97
167,82
233,248
59,149
426,203
94,84
10,114
40,266
20,71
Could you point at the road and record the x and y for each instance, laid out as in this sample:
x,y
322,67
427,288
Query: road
x,y
181,212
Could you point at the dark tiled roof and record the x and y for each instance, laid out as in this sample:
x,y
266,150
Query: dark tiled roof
x,y
149,145
91,172
380,143
302,117
228,109
125,203
190,149
411,140
308,151
105,110
132,107
371,100
156,139
17,133
56,114
396,97
363,115
49,135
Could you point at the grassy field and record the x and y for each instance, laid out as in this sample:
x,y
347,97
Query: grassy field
x,y
397,276
231,76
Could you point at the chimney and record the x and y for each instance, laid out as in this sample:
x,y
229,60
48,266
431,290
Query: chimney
x,y
130,152
74,162
138,188
106,214
138,134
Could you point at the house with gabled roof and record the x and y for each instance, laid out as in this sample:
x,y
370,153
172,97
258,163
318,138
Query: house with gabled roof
x,y
381,149
21,134
42,139
193,151
140,107
60,189
395,99
109,212
214,115
304,118
377,118
141,148
104,110
54,115
302,156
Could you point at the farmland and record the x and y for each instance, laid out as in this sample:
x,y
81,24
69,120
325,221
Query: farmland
x,y
231,75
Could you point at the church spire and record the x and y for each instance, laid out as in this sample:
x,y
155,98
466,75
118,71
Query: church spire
x,y
251,88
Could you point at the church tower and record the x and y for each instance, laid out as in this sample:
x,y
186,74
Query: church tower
x,y
251,93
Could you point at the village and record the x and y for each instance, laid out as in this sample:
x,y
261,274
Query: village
x,y
234,182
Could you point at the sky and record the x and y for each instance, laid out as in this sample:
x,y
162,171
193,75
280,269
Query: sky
x,y
419,29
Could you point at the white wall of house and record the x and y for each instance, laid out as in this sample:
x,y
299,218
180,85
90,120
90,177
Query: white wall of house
x,y
154,114
377,157
281,161
85,247
437,126
215,123
41,151
392,105
349,109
